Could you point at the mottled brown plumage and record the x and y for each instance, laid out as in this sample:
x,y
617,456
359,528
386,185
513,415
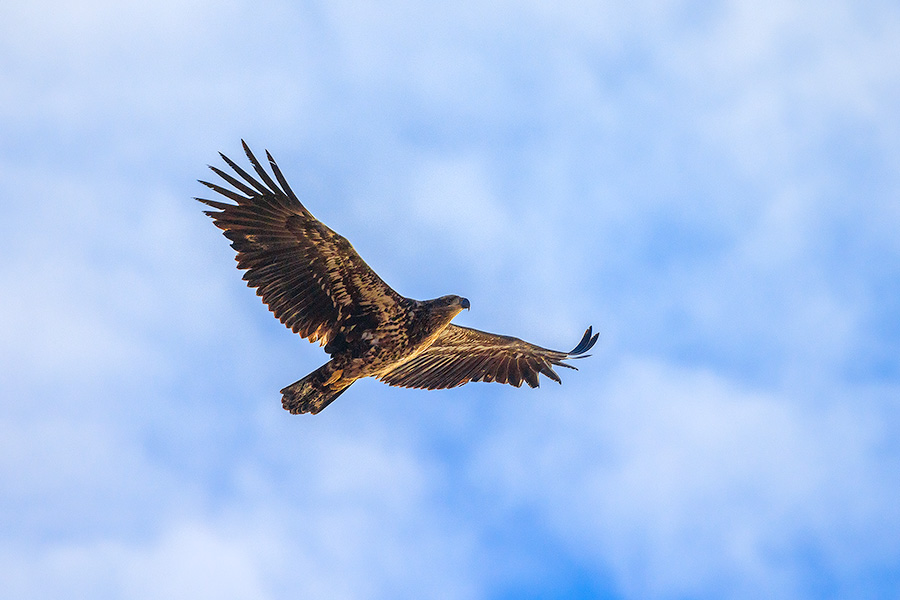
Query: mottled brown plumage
x,y
315,283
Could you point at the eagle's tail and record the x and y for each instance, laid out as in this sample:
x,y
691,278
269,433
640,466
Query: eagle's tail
x,y
315,391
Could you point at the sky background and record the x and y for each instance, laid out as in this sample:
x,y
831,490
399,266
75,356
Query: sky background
x,y
715,187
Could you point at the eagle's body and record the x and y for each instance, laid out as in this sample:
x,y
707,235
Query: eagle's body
x,y
315,283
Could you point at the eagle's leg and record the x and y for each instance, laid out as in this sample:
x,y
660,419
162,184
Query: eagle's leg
x,y
315,391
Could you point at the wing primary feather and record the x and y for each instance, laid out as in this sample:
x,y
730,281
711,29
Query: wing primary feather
x,y
258,167
281,179
549,372
238,184
246,176
530,373
285,185
568,366
584,340
585,344
214,204
269,210
225,192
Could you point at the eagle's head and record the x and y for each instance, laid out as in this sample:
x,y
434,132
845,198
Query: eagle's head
x,y
452,302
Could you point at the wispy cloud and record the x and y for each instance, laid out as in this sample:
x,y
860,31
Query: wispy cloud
x,y
714,187
685,484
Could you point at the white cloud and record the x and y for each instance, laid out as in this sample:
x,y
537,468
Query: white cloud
x,y
453,198
345,517
190,560
684,484
776,79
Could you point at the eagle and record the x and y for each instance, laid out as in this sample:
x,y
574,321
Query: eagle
x,y
316,284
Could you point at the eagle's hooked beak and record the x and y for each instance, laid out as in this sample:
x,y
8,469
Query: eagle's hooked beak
x,y
464,302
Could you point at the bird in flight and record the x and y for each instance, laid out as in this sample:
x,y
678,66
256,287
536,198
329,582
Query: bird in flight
x,y
315,283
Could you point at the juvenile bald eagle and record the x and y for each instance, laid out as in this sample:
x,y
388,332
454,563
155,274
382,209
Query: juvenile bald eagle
x,y
315,283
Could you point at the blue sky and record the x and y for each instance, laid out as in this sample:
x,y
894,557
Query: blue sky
x,y
714,187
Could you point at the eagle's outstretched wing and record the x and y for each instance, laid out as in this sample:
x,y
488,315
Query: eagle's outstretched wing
x,y
460,355
310,277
